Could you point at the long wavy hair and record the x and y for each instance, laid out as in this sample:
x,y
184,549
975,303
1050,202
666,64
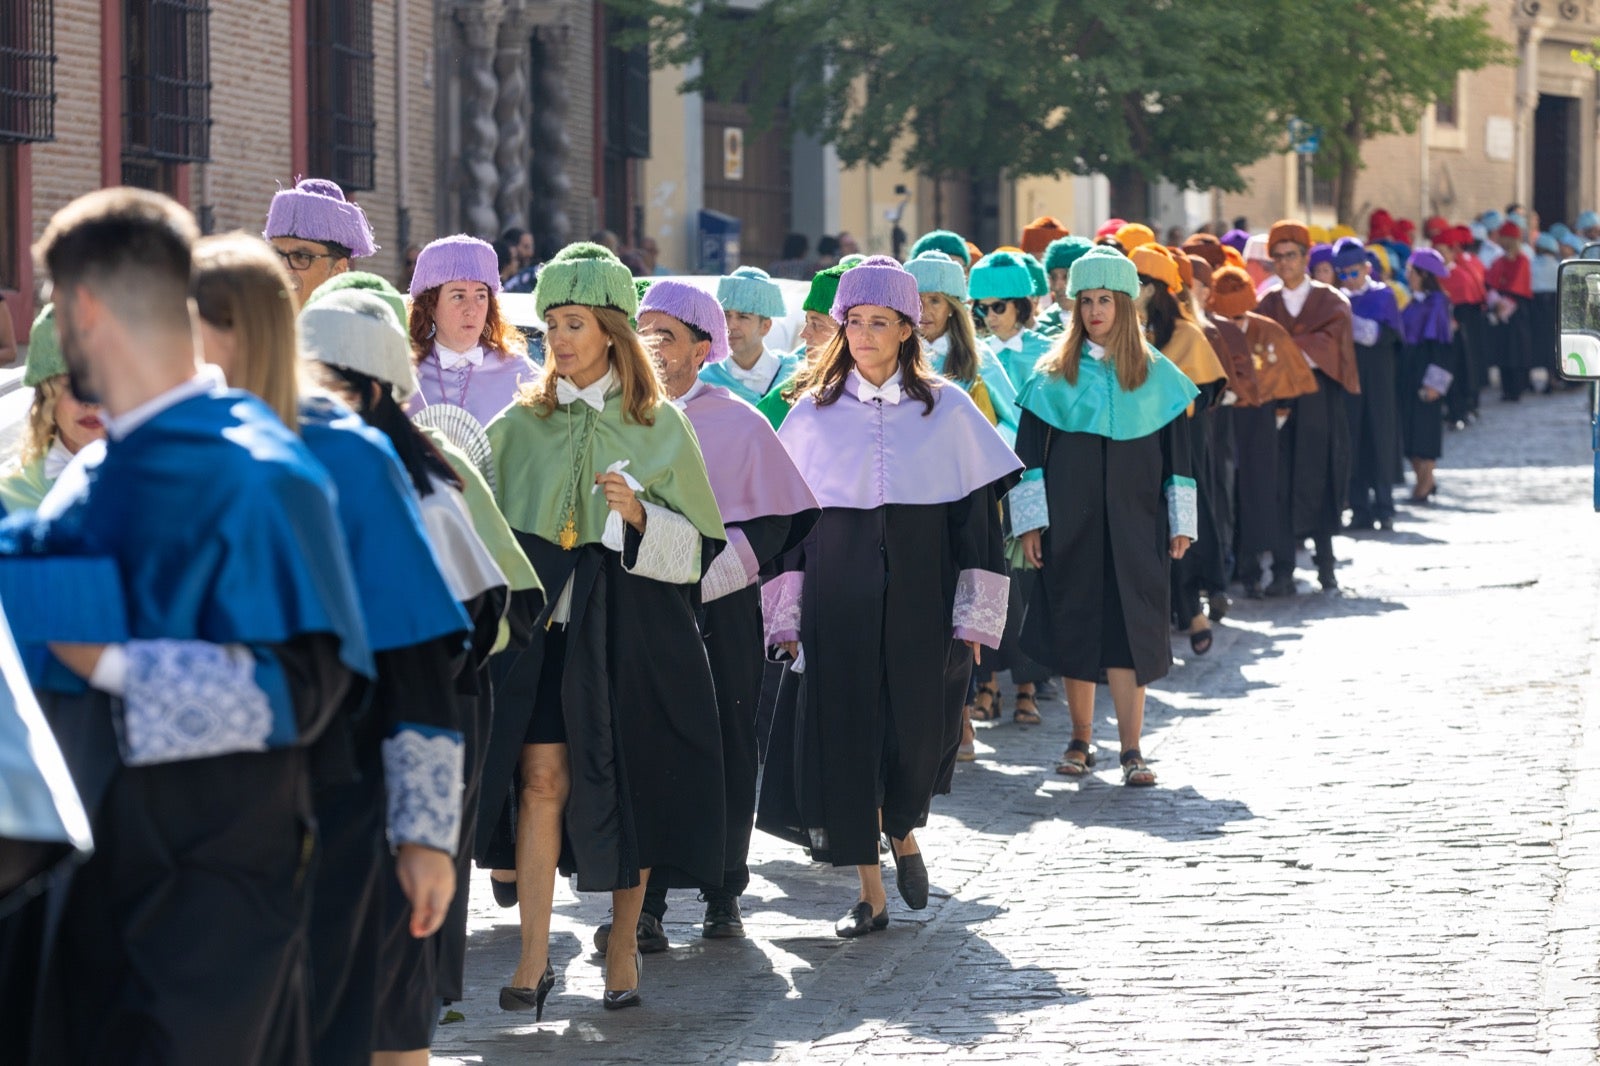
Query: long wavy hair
x,y
1162,312
498,335
641,387
241,285
39,432
917,379
1125,347
961,363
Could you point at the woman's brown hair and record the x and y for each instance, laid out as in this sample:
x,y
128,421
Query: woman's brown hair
x,y
917,380
498,335
641,388
1125,346
240,285
961,362
40,431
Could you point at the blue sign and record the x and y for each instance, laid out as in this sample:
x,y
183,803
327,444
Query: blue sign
x,y
1304,137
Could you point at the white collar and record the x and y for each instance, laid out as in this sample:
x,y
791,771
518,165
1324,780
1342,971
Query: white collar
x,y
888,392
1096,351
1014,344
207,378
449,358
56,459
761,371
593,394
941,345
694,390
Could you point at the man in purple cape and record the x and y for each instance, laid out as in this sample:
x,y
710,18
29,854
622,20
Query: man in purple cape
x,y
767,510
1374,420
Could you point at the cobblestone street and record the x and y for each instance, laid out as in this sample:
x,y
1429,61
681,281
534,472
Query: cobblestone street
x,y
1375,838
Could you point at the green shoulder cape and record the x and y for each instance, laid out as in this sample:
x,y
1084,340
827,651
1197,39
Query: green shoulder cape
x,y
1098,404
544,465
22,487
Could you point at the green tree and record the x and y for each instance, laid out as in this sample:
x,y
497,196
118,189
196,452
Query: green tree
x,y
1184,90
1371,67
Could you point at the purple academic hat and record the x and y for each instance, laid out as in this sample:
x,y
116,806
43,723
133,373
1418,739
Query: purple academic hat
x,y
316,210
1320,253
1429,262
1236,239
878,280
458,258
694,307
1348,252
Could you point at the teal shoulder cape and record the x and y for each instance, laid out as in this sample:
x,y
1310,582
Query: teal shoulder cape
x,y
1099,404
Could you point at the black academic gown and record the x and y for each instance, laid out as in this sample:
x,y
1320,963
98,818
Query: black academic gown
x,y
1421,422
1374,429
875,719
1201,568
1102,597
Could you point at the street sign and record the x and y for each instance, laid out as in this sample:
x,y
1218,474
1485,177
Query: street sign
x,y
1304,137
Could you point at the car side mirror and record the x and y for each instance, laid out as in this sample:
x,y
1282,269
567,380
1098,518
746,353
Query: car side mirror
x,y
1578,311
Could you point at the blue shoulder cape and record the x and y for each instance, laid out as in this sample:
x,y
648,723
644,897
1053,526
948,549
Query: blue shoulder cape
x,y
1099,404
404,598
209,522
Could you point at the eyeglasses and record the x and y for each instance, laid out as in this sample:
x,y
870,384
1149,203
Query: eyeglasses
x,y
1348,275
299,261
1286,257
993,307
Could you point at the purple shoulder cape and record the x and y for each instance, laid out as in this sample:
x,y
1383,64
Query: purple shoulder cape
x,y
1427,318
751,474
1376,302
866,455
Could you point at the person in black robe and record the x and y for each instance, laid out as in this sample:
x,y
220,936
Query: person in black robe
x,y
1109,502
884,605
1375,325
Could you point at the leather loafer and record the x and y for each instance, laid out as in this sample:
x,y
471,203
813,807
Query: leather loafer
x,y
651,935
911,877
859,921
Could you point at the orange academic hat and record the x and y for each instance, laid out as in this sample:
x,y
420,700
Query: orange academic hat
x,y
1185,271
1134,234
1207,247
1037,235
1231,257
1232,292
974,251
1154,261
1288,229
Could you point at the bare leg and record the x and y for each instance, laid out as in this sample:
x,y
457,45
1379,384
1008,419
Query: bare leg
x,y
546,781
622,971
418,1057
1080,704
872,887
1128,698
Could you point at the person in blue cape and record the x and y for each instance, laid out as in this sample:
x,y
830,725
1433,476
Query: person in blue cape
x,y
751,301
1106,503
200,631
1374,421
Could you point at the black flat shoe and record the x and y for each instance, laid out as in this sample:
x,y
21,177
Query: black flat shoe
x,y
1200,641
911,878
723,920
860,921
516,999
505,892
628,997
1280,587
651,936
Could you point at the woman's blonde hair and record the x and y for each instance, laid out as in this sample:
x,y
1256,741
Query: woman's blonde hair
x,y
1125,346
641,388
962,362
498,335
40,431
241,285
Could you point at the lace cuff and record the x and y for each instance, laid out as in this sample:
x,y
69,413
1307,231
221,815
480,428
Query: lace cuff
x,y
422,773
1030,508
669,548
980,608
734,568
1183,508
780,606
1365,331
190,699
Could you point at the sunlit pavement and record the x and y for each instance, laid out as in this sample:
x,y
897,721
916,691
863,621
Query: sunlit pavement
x,y
1376,838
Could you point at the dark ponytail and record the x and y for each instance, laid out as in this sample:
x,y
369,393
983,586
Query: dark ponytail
x,y
417,453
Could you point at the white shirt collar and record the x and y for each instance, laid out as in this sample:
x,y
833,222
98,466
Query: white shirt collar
x,y
1294,300
761,372
866,392
1014,344
593,394
1097,351
207,379
449,358
694,390
56,459
941,345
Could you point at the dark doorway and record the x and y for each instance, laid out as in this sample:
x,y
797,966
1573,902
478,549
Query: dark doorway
x,y
1556,158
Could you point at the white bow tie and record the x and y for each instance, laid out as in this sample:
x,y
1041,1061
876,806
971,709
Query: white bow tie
x,y
449,360
888,392
594,395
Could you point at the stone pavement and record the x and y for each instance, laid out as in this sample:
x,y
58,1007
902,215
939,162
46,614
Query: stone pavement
x,y
1376,838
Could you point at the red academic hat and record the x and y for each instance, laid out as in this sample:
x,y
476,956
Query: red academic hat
x,y
1433,226
1455,237
1380,227
1110,228
1509,229
1405,231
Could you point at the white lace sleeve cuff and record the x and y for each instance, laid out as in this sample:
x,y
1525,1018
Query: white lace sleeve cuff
x,y
1365,331
734,568
1183,508
669,548
1030,509
780,606
422,773
190,699
980,608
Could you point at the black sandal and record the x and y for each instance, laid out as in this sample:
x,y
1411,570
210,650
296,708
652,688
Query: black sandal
x,y
1200,641
1026,715
981,713
1135,774
1070,767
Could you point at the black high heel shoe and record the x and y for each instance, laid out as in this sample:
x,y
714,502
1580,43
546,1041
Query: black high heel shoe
x,y
514,998
628,997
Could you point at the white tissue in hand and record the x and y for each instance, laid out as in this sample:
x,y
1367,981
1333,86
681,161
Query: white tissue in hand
x,y
612,535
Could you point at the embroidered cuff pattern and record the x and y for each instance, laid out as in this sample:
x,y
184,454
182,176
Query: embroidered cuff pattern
x,y
190,699
1183,508
422,773
780,606
1030,509
980,608
669,548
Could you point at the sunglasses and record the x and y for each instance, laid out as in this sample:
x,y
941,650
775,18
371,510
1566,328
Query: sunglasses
x,y
1347,275
994,307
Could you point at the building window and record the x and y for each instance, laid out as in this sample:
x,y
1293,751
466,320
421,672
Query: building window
x,y
1447,109
10,222
340,65
27,71
166,89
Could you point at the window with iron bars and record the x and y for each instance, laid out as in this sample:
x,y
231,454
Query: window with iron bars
x,y
27,71
339,59
166,88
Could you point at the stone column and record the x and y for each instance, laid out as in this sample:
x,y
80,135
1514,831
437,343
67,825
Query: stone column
x,y
480,25
548,219
510,113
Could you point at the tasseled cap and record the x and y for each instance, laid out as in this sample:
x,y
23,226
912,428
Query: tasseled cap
x,y
1207,247
943,240
457,258
691,306
1232,292
1109,228
44,349
1063,252
1587,220
1288,229
752,291
366,282
1154,261
1037,235
825,286
1348,252
357,330
588,275
1103,267
316,210
880,281
1236,239
937,272
1320,253
1429,262
1036,271
1134,235
1000,276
